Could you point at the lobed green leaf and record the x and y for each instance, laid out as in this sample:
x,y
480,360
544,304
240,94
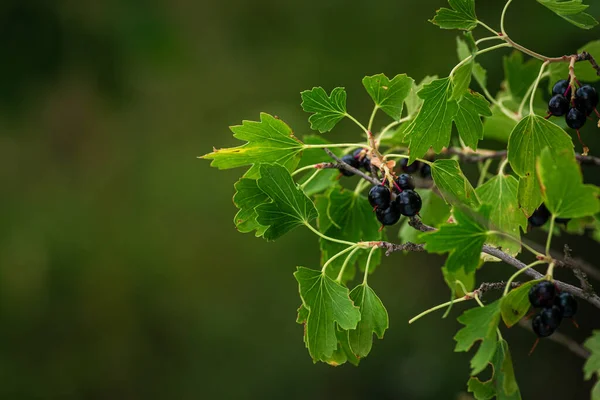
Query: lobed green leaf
x,y
572,11
452,183
373,320
389,95
327,110
461,16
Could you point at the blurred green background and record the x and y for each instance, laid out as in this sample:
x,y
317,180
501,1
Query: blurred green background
x,y
121,273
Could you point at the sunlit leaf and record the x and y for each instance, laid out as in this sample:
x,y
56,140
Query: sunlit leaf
x,y
461,16
389,95
327,110
572,11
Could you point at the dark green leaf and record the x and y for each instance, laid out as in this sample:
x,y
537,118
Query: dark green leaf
x,y
289,206
501,193
592,365
461,80
248,196
269,141
502,384
328,304
373,320
463,240
327,110
515,304
389,95
519,74
463,51
461,16
530,137
572,11
562,186
468,118
480,325
453,184
530,195
433,125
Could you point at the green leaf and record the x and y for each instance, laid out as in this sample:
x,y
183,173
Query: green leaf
x,y
519,74
515,304
592,365
461,16
584,70
461,80
463,240
468,118
373,320
248,196
562,186
433,125
389,95
343,353
413,101
269,141
480,325
350,217
530,137
328,304
434,212
327,110
326,177
452,183
529,194
501,193
502,384
572,11
463,51
289,206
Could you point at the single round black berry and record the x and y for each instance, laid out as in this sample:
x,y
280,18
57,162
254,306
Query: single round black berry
x,y
426,171
575,118
586,99
380,197
545,323
560,87
350,160
542,294
539,216
405,182
409,203
409,169
567,304
366,164
390,215
558,105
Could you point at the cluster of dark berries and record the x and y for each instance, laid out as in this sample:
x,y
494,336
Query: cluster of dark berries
x,y
423,169
542,215
402,199
358,160
575,110
555,306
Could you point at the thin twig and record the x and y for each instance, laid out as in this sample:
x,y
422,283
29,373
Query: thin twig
x,y
348,167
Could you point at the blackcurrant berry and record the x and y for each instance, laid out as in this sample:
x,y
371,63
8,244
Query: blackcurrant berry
x,y
558,105
350,160
545,323
409,203
586,99
567,304
542,294
390,215
366,164
560,87
426,171
575,118
539,216
409,169
405,182
380,197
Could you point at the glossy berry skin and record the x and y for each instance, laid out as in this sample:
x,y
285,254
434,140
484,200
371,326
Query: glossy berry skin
x,y
426,171
575,118
406,182
350,160
547,321
409,169
567,304
558,105
390,215
560,87
409,203
380,197
366,164
586,99
539,216
542,294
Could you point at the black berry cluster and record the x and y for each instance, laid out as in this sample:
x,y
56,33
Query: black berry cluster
x,y
542,215
576,110
358,160
423,169
554,307
390,204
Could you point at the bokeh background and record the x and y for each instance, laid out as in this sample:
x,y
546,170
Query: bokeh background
x,y
121,273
